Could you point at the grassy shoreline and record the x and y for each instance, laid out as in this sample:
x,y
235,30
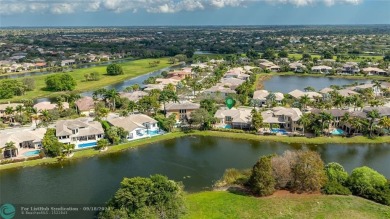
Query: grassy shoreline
x,y
228,205
118,148
132,69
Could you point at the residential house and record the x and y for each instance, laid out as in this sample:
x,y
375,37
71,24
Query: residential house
x,y
322,69
297,67
81,132
297,94
374,71
180,75
45,105
260,97
350,68
383,110
133,96
150,87
218,90
85,106
3,108
68,62
267,65
25,140
337,115
286,118
234,118
138,125
182,110
376,90
232,83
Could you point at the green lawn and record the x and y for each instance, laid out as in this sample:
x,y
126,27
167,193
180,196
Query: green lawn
x,y
131,69
289,140
224,205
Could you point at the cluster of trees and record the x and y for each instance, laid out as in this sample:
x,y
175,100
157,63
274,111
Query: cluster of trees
x,y
114,69
304,171
60,82
153,197
13,87
115,135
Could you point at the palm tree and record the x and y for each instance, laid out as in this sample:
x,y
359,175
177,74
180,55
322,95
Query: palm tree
x,y
45,116
111,95
377,84
372,116
326,118
304,121
9,110
10,146
304,100
102,144
19,109
346,118
68,149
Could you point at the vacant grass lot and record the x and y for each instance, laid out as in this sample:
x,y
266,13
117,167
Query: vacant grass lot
x,y
131,69
224,205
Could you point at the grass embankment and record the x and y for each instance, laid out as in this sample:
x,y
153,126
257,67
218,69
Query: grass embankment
x,y
93,152
131,69
260,78
289,140
227,205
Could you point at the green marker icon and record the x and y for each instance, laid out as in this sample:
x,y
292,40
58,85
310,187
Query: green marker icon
x,y
230,102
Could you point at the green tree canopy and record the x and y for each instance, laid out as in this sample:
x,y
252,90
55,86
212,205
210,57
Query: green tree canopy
x,y
114,69
60,82
261,181
154,197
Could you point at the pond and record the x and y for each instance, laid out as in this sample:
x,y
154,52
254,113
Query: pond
x,y
288,83
196,161
123,84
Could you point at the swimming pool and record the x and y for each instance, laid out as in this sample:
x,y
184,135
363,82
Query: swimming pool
x,y
31,153
337,132
227,126
281,131
154,132
86,145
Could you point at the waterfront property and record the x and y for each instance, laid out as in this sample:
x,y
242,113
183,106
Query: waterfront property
x,y
24,141
81,132
264,97
182,110
284,118
138,125
133,96
85,106
45,105
4,107
233,118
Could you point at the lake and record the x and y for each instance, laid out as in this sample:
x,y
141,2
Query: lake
x,y
288,83
196,161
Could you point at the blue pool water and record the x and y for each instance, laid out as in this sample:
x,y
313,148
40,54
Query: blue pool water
x,y
337,132
227,126
154,132
281,131
31,153
85,145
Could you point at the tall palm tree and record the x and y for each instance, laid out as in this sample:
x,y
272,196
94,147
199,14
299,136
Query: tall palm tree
x,y
304,121
372,116
377,84
326,118
68,148
9,111
45,116
19,109
111,95
10,146
304,101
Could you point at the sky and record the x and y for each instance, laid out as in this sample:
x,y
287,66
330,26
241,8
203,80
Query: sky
x,y
191,12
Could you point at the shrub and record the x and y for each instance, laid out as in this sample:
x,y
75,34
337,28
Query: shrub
x,y
335,188
229,130
281,170
114,69
60,82
308,172
261,181
366,182
335,172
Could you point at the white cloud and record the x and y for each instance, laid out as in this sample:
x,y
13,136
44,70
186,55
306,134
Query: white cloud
x,y
151,6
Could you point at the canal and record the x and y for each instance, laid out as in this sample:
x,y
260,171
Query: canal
x,y
196,161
